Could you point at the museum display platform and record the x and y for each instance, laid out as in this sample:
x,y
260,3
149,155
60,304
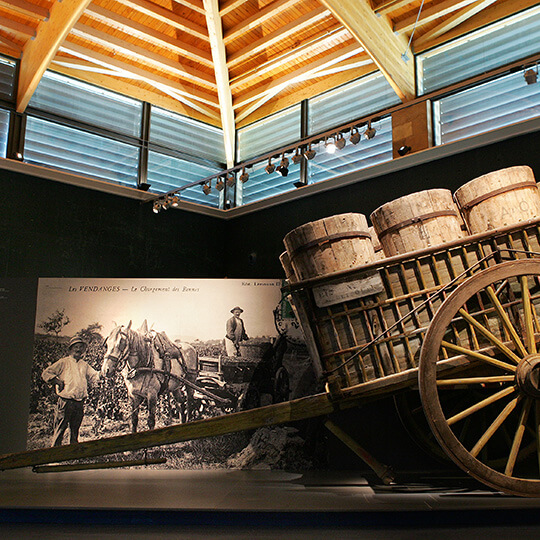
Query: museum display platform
x,y
150,503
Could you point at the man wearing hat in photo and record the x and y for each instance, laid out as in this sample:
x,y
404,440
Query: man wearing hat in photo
x,y
70,376
235,333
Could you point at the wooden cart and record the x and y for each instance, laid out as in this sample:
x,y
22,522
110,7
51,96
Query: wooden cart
x,y
461,321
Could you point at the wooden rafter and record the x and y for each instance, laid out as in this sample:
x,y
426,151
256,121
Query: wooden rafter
x,y
195,5
390,5
166,16
117,44
257,19
26,8
230,5
145,32
460,17
274,37
18,28
15,47
375,34
38,53
215,32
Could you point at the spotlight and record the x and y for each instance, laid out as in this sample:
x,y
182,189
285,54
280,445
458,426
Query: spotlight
x,y
270,168
164,204
340,142
330,146
207,188
244,177
310,153
143,186
531,76
174,201
297,158
220,184
230,179
283,167
157,207
370,131
404,149
355,136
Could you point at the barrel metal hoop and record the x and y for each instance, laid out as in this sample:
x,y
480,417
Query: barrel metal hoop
x,y
327,239
417,219
495,192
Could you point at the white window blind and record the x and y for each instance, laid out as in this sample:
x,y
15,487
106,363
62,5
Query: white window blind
x,y
350,102
486,107
4,128
65,148
83,102
7,78
189,136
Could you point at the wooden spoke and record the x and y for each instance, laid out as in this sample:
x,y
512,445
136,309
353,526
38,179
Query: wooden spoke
x,y
505,413
478,356
476,380
506,320
490,336
527,314
480,405
518,437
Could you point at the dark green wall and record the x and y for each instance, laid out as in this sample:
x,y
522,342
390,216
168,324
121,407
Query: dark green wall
x,y
257,239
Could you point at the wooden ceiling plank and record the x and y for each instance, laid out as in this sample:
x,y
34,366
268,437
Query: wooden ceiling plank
x,y
38,53
164,15
151,78
285,31
26,8
107,40
215,33
128,26
230,5
257,19
455,20
15,47
390,5
430,14
18,28
297,75
490,15
375,34
286,57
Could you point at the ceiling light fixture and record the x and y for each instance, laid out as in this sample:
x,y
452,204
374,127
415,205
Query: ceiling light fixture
x,y
340,142
270,168
230,180
244,177
370,131
157,207
207,188
310,153
355,136
297,157
531,76
220,184
330,146
283,167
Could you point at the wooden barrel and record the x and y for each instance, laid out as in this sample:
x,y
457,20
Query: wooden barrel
x,y
329,245
499,198
377,247
287,266
417,221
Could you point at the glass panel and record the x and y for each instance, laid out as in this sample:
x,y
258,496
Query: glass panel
x,y
352,157
487,107
496,45
186,135
83,102
68,149
349,102
4,129
274,131
7,78
166,173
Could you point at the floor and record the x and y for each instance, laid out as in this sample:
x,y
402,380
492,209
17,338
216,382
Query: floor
x,y
152,503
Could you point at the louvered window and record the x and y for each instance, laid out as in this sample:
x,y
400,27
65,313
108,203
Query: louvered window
x,y
274,131
83,102
189,136
494,46
352,157
4,128
166,173
69,149
350,102
486,107
7,78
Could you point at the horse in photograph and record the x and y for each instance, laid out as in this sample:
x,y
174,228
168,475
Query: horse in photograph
x,y
146,374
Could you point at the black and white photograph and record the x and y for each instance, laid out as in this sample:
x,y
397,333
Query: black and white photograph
x,y
120,356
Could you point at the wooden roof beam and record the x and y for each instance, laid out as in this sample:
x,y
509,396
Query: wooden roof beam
x,y
38,53
375,34
168,17
11,45
195,5
146,33
18,28
257,19
215,33
26,8
230,5
390,5
285,31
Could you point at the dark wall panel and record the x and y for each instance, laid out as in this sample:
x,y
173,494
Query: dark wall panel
x,y
257,239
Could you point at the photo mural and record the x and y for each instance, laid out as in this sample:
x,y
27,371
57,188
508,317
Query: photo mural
x,y
117,356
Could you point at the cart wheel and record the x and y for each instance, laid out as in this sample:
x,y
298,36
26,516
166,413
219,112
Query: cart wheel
x,y
479,376
281,386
